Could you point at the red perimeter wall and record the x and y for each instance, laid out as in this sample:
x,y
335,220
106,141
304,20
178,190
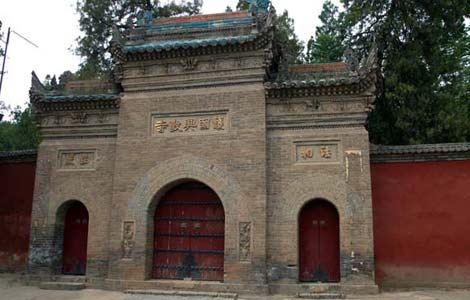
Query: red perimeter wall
x,y
16,197
422,223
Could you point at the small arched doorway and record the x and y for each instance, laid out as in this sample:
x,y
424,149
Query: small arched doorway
x,y
319,242
189,234
75,240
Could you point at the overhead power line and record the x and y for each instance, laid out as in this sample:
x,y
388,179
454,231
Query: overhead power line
x,y
7,42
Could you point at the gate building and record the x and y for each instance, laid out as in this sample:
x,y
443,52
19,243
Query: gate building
x,y
207,163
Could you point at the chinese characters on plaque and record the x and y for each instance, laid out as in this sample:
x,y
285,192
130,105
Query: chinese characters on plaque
x,y
77,160
317,152
189,124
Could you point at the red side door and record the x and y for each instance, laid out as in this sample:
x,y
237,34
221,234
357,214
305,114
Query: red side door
x,y
189,234
75,240
319,243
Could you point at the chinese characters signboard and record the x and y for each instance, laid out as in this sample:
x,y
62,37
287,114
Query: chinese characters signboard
x,y
189,124
317,152
77,160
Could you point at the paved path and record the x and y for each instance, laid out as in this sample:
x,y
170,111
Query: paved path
x,y
11,289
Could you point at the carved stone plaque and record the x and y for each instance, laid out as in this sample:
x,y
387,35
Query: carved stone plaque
x,y
317,152
128,243
245,241
190,123
77,160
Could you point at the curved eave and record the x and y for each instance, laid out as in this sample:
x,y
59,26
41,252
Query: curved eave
x,y
190,44
49,103
419,153
196,47
328,86
420,149
80,98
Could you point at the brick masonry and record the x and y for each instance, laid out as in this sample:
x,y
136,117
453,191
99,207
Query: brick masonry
x,y
253,165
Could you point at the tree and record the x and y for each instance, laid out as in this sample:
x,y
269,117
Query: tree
x,y
97,18
327,46
292,46
243,5
324,48
421,49
20,133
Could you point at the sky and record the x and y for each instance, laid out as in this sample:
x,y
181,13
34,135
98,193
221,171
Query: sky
x,y
53,26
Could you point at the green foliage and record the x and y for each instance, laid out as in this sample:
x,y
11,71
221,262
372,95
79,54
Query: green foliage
x,y
20,133
97,18
423,59
292,46
243,5
327,46
324,48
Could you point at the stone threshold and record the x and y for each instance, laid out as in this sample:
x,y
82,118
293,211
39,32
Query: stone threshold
x,y
233,296
187,286
312,290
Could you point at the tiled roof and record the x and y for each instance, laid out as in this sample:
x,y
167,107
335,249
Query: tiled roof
x,y
201,18
334,81
420,153
18,155
74,94
329,78
314,68
212,24
168,45
202,25
79,98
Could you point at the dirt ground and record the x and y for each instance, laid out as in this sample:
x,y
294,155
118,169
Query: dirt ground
x,y
12,289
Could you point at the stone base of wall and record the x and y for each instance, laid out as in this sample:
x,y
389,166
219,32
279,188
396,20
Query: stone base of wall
x,y
319,288
90,282
411,285
182,285
216,287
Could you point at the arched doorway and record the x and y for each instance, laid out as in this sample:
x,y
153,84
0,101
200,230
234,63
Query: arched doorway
x,y
319,242
75,240
189,234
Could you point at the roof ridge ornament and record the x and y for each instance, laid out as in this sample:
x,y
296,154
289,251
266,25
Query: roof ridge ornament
x,y
144,18
259,5
351,59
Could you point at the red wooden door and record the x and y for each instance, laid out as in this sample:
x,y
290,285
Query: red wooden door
x,y
75,240
319,243
189,234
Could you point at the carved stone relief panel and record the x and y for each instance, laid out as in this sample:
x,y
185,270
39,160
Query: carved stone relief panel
x,y
245,241
79,119
344,107
314,105
317,152
354,163
77,159
193,123
189,64
128,239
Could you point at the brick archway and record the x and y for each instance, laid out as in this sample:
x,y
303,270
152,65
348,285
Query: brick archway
x,y
71,238
168,174
189,234
300,192
319,257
